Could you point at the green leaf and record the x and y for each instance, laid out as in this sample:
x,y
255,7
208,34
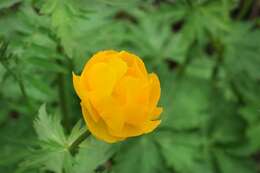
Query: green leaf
x,y
92,154
252,115
152,41
201,68
54,152
46,64
224,112
48,128
51,156
231,164
183,153
8,3
64,15
139,155
187,108
242,50
76,131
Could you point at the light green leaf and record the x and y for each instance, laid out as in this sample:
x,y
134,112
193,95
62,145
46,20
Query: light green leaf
x,y
63,17
92,154
231,164
187,108
183,152
140,155
8,3
48,128
53,154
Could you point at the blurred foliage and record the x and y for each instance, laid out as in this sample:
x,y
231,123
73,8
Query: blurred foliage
x,y
206,53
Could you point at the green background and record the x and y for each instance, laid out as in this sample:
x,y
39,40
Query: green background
x,y
205,52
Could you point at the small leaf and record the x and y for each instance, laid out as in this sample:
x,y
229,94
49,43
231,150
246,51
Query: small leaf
x,y
48,128
142,153
92,153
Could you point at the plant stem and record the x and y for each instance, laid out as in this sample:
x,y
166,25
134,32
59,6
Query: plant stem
x,y
245,8
219,59
74,146
20,84
62,97
63,89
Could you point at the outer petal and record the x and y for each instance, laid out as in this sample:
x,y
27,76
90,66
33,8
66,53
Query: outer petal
x,y
136,114
134,63
76,84
129,131
83,94
101,56
156,112
99,129
134,93
119,66
151,125
111,112
93,113
155,91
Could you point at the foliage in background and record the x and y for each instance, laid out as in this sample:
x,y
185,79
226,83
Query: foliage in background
x,y
205,52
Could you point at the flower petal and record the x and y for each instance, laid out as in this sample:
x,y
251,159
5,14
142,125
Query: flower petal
x,y
99,129
76,84
151,125
156,112
134,62
129,131
111,112
101,78
119,66
155,91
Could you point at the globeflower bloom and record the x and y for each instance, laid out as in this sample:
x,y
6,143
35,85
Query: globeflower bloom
x,y
118,97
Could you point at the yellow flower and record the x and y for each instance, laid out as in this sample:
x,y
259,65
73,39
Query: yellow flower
x,y
118,97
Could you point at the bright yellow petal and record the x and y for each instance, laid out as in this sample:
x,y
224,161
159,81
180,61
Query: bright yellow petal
x,y
156,112
129,131
93,113
155,91
133,62
136,114
76,84
118,65
134,95
151,125
98,129
101,78
111,112
101,56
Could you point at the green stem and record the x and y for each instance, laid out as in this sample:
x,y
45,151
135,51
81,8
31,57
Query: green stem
x,y
187,60
63,99
75,145
219,59
246,6
64,96
20,84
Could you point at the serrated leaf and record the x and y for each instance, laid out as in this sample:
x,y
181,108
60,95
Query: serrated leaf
x,y
231,164
48,128
189,103
242,50
53,154
183,152
142,153
92,153
64,15
8,3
